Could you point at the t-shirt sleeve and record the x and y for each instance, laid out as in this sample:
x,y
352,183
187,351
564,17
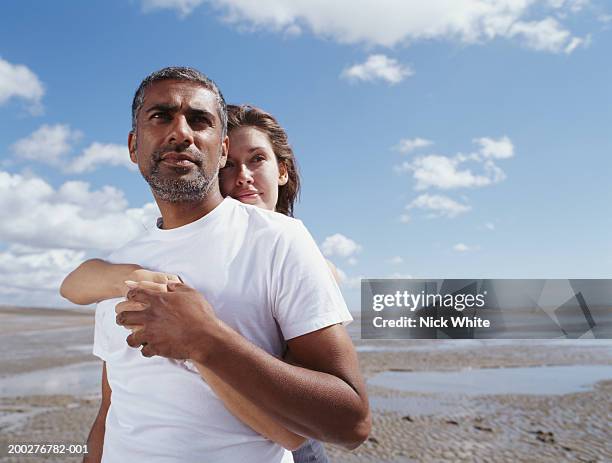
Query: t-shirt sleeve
x,y
101,339
306,296
101,336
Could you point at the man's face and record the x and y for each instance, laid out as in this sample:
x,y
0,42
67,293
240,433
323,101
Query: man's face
x,y
177,144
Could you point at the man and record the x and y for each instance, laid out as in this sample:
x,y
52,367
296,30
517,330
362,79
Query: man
x,y
256,285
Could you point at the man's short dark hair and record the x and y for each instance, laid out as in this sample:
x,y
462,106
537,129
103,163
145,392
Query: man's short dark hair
x,y
183,74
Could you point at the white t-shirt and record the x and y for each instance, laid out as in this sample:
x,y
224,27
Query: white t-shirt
x,y
265,277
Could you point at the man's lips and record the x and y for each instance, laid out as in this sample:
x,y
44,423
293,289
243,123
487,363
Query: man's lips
x,y
178,159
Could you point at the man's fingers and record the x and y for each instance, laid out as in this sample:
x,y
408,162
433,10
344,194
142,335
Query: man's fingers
x,y
175,278
129,306
131,318
147,351
141,295
136,339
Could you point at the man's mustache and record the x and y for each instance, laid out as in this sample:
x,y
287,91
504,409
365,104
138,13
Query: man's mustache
x,y
191,151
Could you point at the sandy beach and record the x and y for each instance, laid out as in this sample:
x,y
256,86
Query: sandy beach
x,y
432,401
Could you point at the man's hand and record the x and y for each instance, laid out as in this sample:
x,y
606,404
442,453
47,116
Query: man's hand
x,y
174,324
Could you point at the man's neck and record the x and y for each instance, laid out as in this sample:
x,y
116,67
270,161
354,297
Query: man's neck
x,y
176,215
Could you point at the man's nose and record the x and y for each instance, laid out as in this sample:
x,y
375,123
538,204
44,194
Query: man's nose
x,y
180,132
245,176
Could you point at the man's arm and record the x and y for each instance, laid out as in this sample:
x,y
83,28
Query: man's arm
x,y
95,441
325,398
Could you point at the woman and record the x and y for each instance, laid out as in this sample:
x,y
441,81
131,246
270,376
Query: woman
x,y
261,171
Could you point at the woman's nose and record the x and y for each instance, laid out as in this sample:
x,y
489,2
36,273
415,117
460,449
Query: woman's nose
x,y
244,176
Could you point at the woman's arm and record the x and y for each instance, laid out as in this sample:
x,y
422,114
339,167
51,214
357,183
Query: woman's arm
x,y
247,412
243,409
96,280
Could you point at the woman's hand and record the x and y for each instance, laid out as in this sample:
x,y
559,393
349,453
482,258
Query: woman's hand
x,y
150,279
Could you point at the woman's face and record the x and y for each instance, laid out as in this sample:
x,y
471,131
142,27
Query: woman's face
x,y
252,174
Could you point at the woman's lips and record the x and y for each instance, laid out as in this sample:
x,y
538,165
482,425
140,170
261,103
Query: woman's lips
x,y
247,197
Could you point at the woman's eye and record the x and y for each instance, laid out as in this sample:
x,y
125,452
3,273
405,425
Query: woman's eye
x,y
259,158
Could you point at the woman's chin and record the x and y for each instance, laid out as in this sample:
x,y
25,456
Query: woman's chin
x,y
255,201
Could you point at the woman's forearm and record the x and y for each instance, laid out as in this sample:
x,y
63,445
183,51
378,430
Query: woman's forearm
x,y
249,413
95,280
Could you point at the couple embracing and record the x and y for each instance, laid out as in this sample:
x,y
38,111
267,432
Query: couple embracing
x,y
221,329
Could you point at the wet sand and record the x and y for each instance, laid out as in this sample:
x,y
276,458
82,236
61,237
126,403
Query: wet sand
x,y
49,393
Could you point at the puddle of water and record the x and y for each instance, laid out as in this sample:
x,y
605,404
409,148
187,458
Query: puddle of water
x,y
75,379
414,405
536,380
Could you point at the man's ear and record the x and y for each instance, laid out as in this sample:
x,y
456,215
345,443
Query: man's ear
x,y
132,147
283,174
224,151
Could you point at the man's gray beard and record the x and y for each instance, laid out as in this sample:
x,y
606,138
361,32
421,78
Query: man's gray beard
x,y
178,190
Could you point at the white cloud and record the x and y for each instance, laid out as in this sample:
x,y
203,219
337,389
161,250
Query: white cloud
x,y
444,172
183,7
407,145
352,261
99,154
348,282
378,67
490,226
339,245
395,260
18,81
462,247
546,35
495,149
398,22
438,206
33,276
32,213
47,144
52,144
42,270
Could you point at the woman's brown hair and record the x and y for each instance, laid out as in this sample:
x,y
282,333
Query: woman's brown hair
x,y
251,116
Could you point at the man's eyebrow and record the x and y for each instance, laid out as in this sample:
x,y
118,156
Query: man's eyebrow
x,y
202,112
162,107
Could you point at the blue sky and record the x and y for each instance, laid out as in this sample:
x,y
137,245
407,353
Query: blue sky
x,y
466,138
